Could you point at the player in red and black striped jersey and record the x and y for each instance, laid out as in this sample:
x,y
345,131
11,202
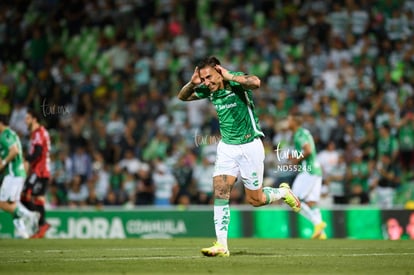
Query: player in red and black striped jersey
x,y
33,195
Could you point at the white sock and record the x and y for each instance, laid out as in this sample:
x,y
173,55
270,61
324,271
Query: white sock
x,y
221,220
308,213
22,211
273,194
317,214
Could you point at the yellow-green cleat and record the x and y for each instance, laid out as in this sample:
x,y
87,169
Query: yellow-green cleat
x,y
290,198
318,230
323,236
217,250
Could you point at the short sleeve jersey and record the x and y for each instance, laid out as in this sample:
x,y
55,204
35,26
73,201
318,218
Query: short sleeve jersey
x,y
236,113
41,165
301,137
9,138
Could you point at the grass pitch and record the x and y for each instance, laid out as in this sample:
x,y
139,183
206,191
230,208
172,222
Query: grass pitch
x,y
182,256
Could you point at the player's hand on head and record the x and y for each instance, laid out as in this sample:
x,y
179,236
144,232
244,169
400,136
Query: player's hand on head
x,y
195,78
224,72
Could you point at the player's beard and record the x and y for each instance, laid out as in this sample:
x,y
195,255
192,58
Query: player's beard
x,y
30,126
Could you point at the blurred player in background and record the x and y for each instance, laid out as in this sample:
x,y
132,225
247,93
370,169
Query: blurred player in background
x,y
33,196
13,172
240,152
308,183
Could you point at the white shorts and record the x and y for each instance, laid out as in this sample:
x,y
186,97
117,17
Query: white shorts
x,y
11,188
307,187
244,160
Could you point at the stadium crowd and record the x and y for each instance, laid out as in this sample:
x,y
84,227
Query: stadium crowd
x,y
105,74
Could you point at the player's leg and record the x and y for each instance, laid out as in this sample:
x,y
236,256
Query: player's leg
x,y
10,192
26,202
26,194
308,188
251,165
313,201
39,203
38,193
224,178
268,195
222,188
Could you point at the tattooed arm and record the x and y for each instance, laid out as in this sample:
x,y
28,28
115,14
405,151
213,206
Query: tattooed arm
x,y
249,82
187,91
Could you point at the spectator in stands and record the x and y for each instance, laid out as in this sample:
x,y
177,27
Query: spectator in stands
x,y
81,163
145,188
406,141
385,182
357,177
165,183
184,191
201,178
387,144
77,192
328,158
335,180
99,180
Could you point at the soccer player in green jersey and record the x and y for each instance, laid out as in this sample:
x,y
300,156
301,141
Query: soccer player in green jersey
x,y
240,152
14,174
308,183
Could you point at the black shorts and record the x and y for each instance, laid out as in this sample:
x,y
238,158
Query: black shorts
x,y
35,185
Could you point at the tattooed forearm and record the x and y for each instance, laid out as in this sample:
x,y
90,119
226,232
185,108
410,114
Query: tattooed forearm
x,y
247,81
186,91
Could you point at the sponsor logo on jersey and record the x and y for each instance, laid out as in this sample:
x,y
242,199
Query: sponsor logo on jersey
x,y
226,106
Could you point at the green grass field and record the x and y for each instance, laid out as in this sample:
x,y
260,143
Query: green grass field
x,y
182,256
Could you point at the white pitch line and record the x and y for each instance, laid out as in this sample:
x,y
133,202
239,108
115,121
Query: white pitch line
x,y
137,258
116,249
184,249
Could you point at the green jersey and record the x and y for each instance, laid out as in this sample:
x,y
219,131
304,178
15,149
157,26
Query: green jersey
x,y
15,167
301,137
387,145
236,113
360,174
